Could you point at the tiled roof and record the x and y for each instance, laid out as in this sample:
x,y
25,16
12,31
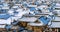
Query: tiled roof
x,y
28,19
57,19
55,25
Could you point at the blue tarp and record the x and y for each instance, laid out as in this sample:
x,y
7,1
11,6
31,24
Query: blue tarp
x,y
3,11
15,12
5,16
32,8
44,19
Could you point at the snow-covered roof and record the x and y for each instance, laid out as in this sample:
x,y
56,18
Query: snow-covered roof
x,y
57,4
32,5
28,19
55,25
36,24
15,7
2,26
57,19
5,7
7,21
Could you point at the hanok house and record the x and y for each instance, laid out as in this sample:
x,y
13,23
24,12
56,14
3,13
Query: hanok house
x,y
25,20
40,25
55,25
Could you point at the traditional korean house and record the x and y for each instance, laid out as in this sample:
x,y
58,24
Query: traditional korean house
x,y
55,24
